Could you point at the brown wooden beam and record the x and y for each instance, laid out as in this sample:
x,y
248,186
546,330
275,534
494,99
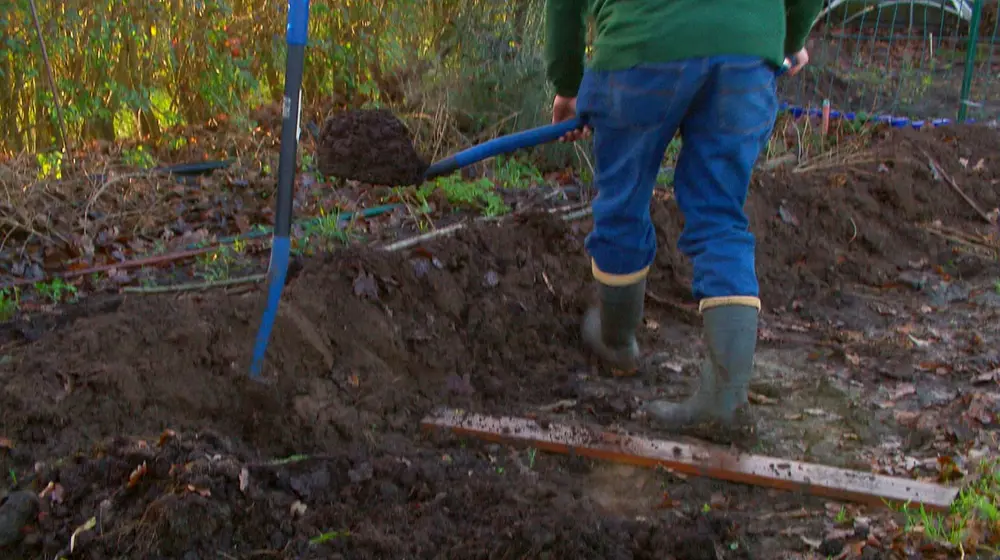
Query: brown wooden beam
x,y
707,461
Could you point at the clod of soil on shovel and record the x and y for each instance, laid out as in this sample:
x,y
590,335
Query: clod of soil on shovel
x,y
371,146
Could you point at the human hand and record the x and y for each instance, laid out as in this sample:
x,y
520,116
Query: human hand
x,y
563,109
799,60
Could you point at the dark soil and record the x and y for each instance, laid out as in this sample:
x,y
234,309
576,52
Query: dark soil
x,y
824,231
371,146
369,342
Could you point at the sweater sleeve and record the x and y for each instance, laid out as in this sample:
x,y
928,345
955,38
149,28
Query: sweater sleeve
x,y
800,16
565,44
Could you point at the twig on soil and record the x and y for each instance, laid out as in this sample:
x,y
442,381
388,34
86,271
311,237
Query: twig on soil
x,y
548,283
568,208
410,242
565,403
107,184
777,162
195,285
831,159
978,249
579,214
855,234
936,167
137,263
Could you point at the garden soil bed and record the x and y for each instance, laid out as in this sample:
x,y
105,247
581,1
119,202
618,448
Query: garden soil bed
x,y
142,418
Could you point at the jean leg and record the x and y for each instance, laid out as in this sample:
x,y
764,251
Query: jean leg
x,y
634,114
723,134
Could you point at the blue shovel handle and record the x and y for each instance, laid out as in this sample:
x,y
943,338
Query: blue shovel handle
x,y
526,139
296,36
503,145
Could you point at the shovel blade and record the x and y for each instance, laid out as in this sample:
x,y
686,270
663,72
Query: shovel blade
x,y
371,146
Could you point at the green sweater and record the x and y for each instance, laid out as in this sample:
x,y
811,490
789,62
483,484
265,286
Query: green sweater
x,y
630,32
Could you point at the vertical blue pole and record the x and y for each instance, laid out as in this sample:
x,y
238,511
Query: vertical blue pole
x,y
296,34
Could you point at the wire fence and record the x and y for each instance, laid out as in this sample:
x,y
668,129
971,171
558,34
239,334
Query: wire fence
x,y
908,61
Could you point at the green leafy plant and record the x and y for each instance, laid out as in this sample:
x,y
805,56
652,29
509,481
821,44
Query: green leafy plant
x,y
514,174
138,157
50,165
973,519
10,302
55,290
479,194
217,265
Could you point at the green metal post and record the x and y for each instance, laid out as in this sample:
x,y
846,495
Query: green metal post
x,y
970,59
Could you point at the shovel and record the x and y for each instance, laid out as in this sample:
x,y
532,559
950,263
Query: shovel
x,y
375,147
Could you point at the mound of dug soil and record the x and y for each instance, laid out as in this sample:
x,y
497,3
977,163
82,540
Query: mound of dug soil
x,y
858,224
366,340
371,146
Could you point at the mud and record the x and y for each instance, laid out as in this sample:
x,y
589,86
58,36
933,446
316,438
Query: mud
x,y
821,232
369,342
371,146
195,496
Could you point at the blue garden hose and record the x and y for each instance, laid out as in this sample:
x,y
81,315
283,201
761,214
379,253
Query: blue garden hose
x,y
296,35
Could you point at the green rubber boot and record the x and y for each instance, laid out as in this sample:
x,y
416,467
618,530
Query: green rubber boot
x,y
609,328
719,410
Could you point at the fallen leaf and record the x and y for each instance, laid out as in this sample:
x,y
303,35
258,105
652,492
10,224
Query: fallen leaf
x,y
672,366
166,436
918,342
244,479
90,524
137,475
787,217
757,398
54,491
298,509
902,390
460,385
365,286
949,471
667,502
421,267
6,443
906,418
980,166
811,543
987,377
354,380
203,492
718,500
964,162
852,358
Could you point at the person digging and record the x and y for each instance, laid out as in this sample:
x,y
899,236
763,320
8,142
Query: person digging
x,y
709,71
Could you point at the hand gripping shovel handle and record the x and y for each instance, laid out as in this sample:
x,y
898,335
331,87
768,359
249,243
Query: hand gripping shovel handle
x,y
525,139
